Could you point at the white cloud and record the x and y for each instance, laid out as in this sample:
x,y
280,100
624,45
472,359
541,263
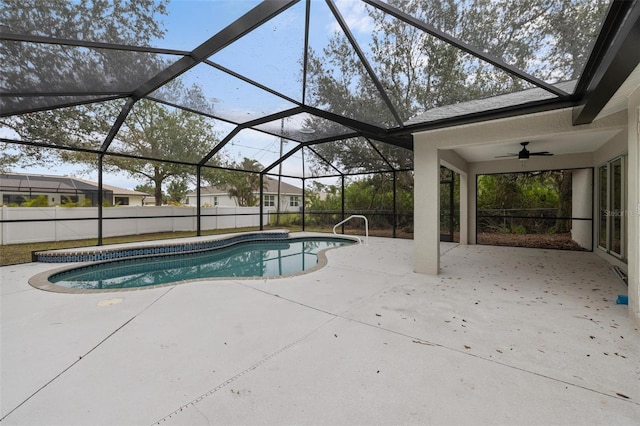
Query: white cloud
x,y
355,15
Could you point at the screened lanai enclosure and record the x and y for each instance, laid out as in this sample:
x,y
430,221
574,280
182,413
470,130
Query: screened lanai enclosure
x,y
179,96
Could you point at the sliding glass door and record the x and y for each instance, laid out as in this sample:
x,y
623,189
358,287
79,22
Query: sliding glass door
x,y
603,184
612,206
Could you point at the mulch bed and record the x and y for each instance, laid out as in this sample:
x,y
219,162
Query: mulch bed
x,y
551,241
548,241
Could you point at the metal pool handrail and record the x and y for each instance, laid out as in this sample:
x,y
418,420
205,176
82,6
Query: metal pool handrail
x,y
366,226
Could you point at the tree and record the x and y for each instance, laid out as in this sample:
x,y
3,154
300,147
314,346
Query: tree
x,y
323,197
7,161
55,68
177,191
146,188
365,195
563,182
154,131
539,196
244,185
51,68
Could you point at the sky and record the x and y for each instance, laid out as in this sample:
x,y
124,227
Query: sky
x,y
269,55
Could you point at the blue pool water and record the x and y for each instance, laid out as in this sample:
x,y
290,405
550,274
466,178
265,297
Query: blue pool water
x,y
247,259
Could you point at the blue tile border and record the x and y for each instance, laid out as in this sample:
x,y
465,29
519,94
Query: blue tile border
x,y
100,254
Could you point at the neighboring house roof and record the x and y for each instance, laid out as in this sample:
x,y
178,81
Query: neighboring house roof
x,y
23,182
285,188
492,103
117,190
271,187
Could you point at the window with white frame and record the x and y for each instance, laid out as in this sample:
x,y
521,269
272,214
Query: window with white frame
x,y
294,201
269,201
215,200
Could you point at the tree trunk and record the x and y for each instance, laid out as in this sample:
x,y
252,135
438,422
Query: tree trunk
x,y
158,186
158,194
564,210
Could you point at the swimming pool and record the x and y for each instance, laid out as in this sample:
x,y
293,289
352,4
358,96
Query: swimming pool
x,y
244,259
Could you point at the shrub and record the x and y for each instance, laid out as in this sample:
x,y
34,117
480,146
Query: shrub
x,y
39,201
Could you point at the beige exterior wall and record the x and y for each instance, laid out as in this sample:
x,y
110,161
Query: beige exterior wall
x,y
134,200
434,148
426,207
633,198
225,201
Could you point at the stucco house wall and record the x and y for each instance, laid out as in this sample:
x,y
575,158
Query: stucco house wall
x,y
290,197
633,197
616,134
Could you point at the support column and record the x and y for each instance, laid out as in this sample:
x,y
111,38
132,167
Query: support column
x,y
304,203
342,200
395,204
426,220
633,203
472,210
198,200
262,202
464,208
100,198
582,207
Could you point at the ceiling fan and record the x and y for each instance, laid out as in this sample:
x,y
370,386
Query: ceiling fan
x,y
524,154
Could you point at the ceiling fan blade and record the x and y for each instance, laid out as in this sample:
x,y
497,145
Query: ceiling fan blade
x,y
543,153
506,156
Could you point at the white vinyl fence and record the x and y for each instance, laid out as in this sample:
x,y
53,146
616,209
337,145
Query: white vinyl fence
x,y
58,224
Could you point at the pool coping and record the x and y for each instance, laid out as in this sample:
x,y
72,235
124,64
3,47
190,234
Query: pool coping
x,y
41,281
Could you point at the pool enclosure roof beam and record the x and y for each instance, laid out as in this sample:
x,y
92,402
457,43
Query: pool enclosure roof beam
x,y
248,124
287,113
309,145
243,25
70,104
283,158
124,112
375,148
97,152
612,62
305,60
326,161
363,59
430,29
251,82
364,129
113,94
30,38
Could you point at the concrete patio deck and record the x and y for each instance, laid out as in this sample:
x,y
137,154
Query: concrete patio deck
x,y
502,336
